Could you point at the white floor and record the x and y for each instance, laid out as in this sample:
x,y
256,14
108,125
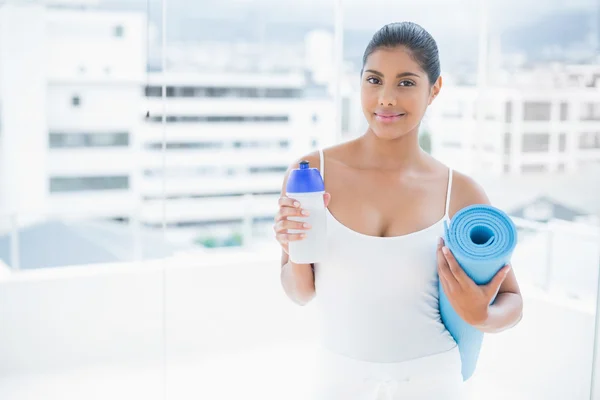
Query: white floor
x,y
548,356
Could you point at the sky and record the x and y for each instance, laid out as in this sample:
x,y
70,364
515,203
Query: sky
x,y
362,14
523,25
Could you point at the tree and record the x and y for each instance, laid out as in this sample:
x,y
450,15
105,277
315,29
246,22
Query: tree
x,y
425,141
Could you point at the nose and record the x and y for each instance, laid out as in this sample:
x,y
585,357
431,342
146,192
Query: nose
x,y
386,97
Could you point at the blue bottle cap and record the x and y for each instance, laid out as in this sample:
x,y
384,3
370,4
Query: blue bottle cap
x,y
305,180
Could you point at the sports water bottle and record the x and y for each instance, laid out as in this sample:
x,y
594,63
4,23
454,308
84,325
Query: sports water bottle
x,y
306,185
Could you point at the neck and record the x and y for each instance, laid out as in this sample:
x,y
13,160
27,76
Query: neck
x,y
392,154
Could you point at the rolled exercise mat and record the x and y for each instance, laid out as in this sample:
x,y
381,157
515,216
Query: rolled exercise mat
x,y
482,239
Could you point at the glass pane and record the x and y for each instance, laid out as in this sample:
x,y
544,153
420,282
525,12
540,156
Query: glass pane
x,y
80,277
516,113
246,93
539,179
241,103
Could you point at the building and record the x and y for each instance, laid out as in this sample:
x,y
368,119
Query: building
x,y
230,138
81,128
70,86
545,120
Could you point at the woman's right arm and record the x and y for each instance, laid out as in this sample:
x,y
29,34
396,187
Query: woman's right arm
x,y
298,282
297,279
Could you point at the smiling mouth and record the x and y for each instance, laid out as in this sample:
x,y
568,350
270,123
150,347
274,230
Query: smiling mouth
x,y
388,117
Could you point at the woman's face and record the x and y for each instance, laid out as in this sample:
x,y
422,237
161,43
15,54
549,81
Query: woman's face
x,y
395,92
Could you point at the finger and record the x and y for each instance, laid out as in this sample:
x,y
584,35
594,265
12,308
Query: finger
x,y
285,212
289,202
293,212
444,271
445,285
289,237
286,224
459,274
326,199
494,285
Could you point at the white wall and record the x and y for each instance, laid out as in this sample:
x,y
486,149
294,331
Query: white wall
x,y
23,184
104,107
74,318
83,46
98,332
47,56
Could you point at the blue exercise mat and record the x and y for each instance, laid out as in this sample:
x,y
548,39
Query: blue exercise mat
x,y
482,239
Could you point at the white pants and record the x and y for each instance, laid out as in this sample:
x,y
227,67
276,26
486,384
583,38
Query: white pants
x,y
433,377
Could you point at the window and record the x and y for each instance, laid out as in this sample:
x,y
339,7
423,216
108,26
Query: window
x,y
108,140
221,118
269,169
75,101
590,112
534,168
536,142
88,183
119,31
187,92
508,111
564,111
185,145
536,111
228,92
562,142
507,141
82,140
178,172
153,91
589,140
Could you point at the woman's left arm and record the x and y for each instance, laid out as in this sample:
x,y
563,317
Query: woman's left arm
x,y
472,301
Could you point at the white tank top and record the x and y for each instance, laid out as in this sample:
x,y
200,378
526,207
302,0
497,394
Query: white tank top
x,y
377,297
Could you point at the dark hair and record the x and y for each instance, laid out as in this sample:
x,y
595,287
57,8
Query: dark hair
x,y
417,40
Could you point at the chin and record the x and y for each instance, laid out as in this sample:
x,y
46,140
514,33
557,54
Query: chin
x,y
388,132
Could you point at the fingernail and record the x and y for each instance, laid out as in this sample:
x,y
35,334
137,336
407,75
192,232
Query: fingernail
x,y
296,204
445,250
306,225
305,212
508,269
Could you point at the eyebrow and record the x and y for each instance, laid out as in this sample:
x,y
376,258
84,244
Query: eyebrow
x,y
401,75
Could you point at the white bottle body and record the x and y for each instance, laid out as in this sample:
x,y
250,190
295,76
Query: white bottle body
x,y
312,248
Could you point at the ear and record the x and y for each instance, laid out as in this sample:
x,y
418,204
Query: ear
x,y
435,90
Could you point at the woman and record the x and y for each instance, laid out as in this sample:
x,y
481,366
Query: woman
x,y
377,290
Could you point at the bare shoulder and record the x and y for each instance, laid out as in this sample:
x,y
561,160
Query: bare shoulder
x,y
336,152
465,192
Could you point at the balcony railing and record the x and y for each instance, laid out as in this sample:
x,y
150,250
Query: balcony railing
x,y
216,324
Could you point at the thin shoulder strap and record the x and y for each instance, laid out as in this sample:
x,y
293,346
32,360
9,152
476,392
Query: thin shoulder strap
x,y
322,169
448,193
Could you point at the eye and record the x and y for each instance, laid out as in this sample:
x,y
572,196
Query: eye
x,y
371,79
406,83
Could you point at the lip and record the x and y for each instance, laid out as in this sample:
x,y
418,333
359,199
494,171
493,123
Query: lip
x,y
388,117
